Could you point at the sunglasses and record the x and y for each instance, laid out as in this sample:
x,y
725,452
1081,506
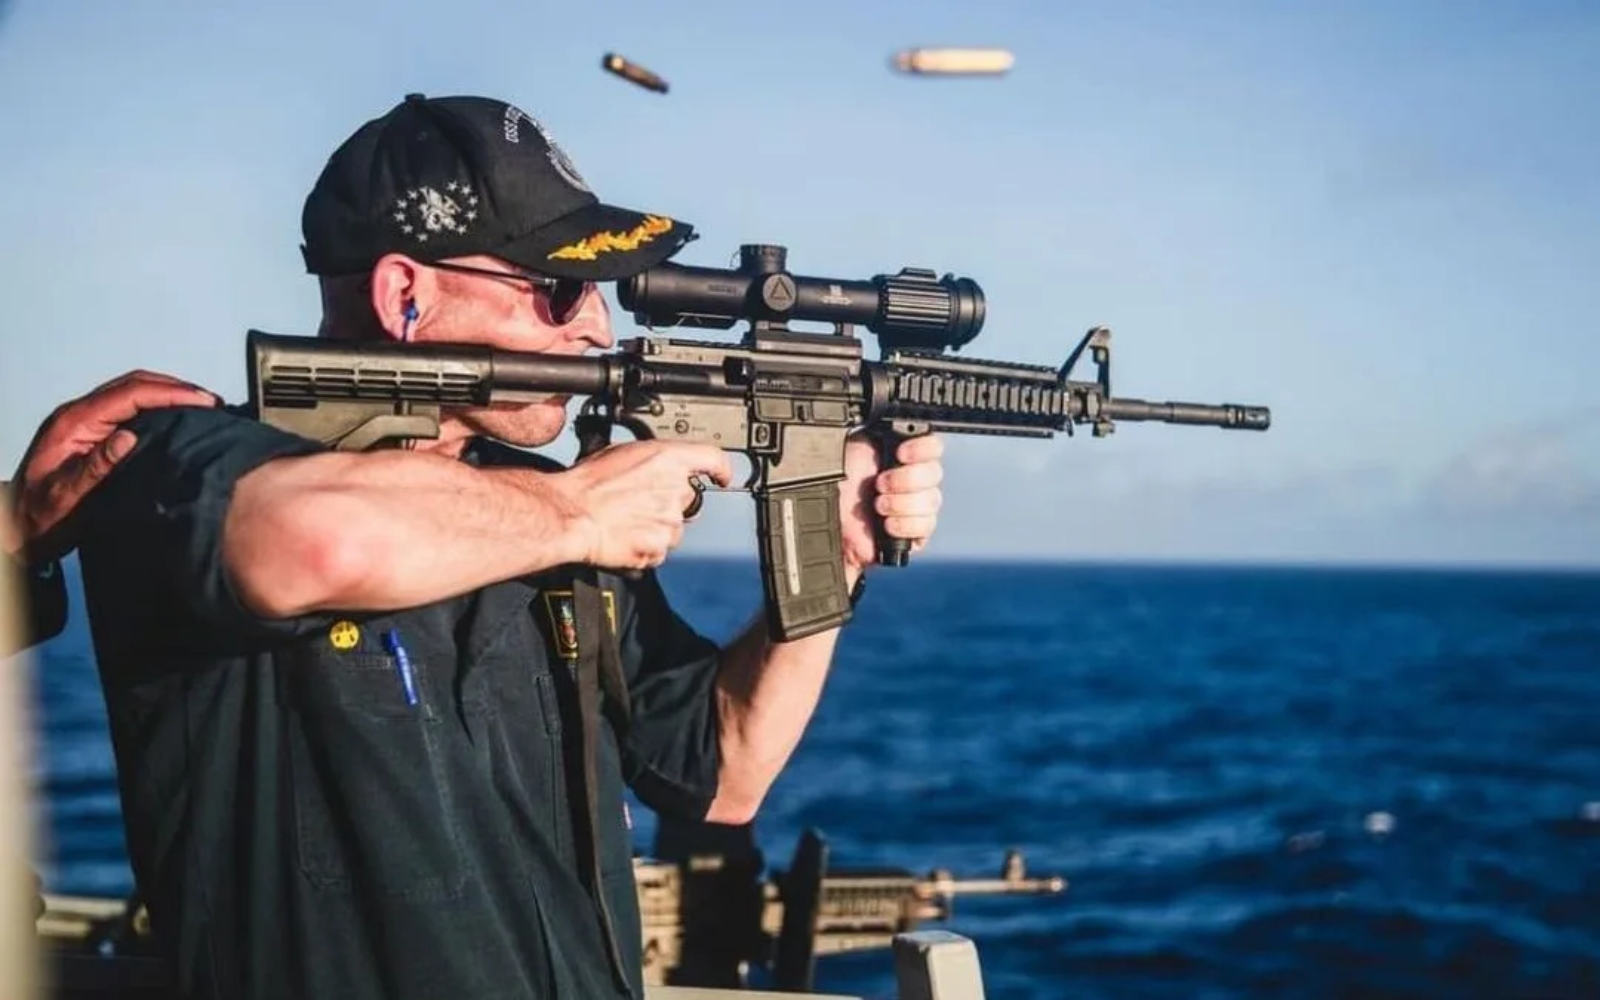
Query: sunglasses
x,y
564,296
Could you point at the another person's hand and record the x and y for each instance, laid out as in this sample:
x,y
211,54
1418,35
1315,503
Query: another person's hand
x,y
906,498
74,450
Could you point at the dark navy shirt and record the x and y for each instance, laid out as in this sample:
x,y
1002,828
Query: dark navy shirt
x,y
296,827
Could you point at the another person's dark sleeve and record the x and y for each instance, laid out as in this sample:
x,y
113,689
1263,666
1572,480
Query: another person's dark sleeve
x,y
670,753
152,541
46,594
43,593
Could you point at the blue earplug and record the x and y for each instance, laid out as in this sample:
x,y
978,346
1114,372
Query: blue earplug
x,y
411,317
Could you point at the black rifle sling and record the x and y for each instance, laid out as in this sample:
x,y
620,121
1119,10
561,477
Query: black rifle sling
x,y
598,663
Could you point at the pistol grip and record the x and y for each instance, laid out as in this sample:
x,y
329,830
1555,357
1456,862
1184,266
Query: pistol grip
x,y
802,562
593,432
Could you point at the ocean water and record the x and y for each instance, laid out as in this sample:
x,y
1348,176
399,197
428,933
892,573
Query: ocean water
x,y
1258,782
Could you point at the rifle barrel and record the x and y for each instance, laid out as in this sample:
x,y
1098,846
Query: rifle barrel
x,y
1229,416
995,886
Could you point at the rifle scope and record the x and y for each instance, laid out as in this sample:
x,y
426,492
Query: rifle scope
x,y
912,310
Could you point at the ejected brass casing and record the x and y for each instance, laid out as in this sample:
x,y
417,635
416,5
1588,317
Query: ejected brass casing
x,y
633,72
953,61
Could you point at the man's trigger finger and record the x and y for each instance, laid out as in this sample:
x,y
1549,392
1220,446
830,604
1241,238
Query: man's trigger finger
x,y
716,466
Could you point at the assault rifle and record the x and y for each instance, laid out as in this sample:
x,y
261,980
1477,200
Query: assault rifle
x,y
784,398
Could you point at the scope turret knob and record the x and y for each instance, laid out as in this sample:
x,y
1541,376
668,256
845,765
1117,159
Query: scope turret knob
x,y
763,258
778,292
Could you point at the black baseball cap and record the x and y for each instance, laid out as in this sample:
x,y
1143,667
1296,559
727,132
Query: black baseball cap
x,y
453,176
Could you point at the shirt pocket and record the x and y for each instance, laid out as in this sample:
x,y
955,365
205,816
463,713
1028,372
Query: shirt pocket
x,y
372,813
516,697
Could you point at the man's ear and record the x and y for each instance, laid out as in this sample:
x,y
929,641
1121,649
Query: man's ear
x,y
400,287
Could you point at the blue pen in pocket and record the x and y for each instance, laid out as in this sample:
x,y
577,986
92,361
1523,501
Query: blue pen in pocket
x,y
402,663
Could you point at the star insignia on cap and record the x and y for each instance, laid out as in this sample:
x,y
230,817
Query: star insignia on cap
x,y
426,210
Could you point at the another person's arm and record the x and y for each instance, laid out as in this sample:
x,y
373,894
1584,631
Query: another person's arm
x,y
72,452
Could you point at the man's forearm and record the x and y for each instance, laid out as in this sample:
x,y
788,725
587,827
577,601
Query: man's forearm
x,y
388,530
766,695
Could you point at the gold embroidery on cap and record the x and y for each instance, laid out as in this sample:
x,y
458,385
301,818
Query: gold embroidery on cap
x,y
595,244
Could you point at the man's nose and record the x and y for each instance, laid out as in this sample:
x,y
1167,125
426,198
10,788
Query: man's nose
x,y
593,320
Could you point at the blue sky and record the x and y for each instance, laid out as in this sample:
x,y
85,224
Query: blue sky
x,y
1382,220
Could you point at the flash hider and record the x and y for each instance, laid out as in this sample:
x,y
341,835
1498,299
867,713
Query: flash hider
x,y
910,310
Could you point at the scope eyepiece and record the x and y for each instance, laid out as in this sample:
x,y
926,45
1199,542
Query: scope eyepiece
x,y
913,309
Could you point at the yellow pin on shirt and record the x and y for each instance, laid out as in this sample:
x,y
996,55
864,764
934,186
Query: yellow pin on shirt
x,y
344,635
